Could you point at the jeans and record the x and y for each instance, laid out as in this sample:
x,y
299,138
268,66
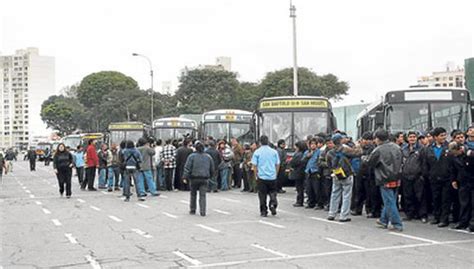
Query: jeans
x,y
224,178
160,177
169,175
201,185
106,173
146,176
80,174
390,210
341,188
129,173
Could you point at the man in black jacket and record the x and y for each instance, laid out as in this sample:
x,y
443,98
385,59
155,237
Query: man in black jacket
x,y
31,156
216,157
362,193
181,156
416,204
199,168
437,168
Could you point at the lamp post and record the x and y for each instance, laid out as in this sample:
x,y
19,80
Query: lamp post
x,y
295,65
151,77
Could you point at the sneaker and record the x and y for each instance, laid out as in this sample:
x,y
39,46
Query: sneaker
x,y
273,210
331,218
264,214
319,208
356,213
192,212
117,189
92,189
395,229
141,199
203,214
443,224
380,224
109,190
68,197
127,199
215,191
297,205
460,226
345,220
155,194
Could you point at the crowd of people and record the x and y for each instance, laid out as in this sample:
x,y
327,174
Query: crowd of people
x,y
422,174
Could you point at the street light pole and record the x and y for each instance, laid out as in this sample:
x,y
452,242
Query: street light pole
x,y
295,64
151,77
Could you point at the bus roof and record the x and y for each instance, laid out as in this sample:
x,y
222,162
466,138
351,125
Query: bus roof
x,y
294,97
126,125
228,111
175,123
294,102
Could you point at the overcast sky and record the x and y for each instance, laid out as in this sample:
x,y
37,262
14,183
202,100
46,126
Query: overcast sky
x,y
374,45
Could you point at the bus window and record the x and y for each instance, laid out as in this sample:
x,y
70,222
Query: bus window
x,y
404,117
218,130
310,123
277,126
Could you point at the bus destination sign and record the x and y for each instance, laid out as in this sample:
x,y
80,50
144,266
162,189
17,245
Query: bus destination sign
x,y
293,103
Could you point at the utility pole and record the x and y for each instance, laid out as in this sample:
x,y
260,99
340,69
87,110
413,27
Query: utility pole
x,y
295,63
151,77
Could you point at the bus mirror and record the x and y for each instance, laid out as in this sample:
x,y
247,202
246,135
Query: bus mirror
x,y
379,119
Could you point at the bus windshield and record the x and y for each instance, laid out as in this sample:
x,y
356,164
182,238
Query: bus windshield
x,y
240,131
310,123
218,130
276,125
405,117
180,133
134,135
72,142
451,116
116,137
164,134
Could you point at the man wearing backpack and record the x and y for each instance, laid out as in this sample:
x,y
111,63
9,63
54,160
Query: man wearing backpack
x,y
386,159
342,177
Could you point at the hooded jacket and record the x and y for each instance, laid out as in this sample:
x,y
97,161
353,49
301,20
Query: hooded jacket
x,y
386,159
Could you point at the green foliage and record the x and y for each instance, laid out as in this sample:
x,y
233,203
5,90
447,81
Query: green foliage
x,y
62,113
206,89
280,83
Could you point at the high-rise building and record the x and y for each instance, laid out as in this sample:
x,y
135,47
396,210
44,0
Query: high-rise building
x,y
451,77
26,81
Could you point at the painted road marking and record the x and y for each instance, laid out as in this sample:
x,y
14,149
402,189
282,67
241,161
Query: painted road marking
x,y
71,238
115,218
93,262
222,212
274,252
27,191
231,200
208,228
38,202
343,243
32,196
415,238
170,215
142,233
328,221
56,222
142,205
46,211
163,196
184,202
272,224
24,187
81,201
187,258
95,208
104,192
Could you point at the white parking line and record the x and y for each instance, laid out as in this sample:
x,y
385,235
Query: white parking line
x,y
231,200
81,201
208,228
71,238
272,224
142,205
115,218
415,238
46,211
27,191
170,215
328,221
184,202
222,212
93,262
187,258
344,243
38,203
24,187
142,233
163,196
56,222
274,252
104,192
460,231
32,196
95,208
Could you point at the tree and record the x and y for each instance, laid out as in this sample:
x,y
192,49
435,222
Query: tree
x,y
280,83
95,86
207,89
248,96
64,114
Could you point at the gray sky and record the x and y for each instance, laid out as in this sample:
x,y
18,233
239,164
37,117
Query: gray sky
x,y
374,45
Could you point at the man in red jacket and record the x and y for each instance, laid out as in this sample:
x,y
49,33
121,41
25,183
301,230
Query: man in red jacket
x,y
92,162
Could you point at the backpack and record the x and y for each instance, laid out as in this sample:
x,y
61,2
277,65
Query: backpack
x,y
342,168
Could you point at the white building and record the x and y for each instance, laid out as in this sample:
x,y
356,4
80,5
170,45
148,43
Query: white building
x,y
451,77
26,81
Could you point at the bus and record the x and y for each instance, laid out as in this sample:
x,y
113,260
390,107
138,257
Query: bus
x,y
418,110
74,140
225,124
120,131
293,118
174,128
42,148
